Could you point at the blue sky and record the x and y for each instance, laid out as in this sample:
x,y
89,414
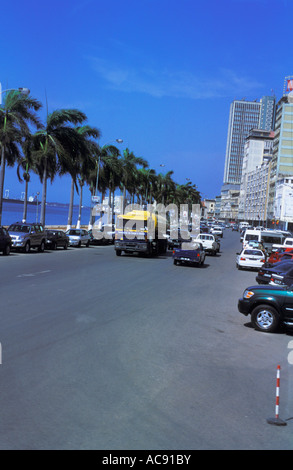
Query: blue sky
x,y
159,74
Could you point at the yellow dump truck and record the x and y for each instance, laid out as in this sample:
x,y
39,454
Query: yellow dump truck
x,y
140,231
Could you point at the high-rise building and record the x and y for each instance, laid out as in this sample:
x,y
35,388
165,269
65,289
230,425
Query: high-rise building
x,y
257,151
282,161
244,116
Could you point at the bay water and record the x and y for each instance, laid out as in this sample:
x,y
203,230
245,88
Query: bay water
x,y
56,214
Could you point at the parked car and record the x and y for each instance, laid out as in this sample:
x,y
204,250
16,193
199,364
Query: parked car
x,y
235,228
27,235
190,253
103,236
265,273
283,278
250,258
56,238
78,237
269,306
5,241
277,257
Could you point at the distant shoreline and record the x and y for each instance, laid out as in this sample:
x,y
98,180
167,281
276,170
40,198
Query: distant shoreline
x,y
34,203
18,201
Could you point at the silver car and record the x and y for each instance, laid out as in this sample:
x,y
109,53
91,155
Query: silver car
x,y
78,237
27,235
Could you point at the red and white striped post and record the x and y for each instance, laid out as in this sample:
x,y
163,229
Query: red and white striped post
x,y
276,420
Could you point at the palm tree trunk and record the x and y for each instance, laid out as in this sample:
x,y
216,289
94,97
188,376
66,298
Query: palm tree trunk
x,y
70,212
109,215
80,206
124,199
2,176
25,202
44,196
92,215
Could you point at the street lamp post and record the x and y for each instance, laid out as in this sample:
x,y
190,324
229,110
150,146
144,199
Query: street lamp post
x,y
22,90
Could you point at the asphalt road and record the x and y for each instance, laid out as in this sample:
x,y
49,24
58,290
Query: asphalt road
x,y
106,352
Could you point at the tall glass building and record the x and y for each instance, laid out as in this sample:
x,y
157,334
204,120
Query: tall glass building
x,y
244,116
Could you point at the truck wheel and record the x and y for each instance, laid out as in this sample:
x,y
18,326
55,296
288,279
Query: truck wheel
x,y
265,318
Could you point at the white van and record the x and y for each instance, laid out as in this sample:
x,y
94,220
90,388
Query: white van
x,y
270,238
251,236
243,225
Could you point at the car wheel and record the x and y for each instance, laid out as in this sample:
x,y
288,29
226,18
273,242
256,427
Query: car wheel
x,y
175,262
239,267
265,318
42,247
118,252
87,244
65,246
7,250
27,247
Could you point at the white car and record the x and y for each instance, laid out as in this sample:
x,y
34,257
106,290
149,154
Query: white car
x,y
217,230
78,237
250,258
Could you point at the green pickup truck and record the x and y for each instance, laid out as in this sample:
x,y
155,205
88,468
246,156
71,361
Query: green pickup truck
x,y
269,306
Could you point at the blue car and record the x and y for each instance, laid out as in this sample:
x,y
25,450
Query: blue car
x,y
280,271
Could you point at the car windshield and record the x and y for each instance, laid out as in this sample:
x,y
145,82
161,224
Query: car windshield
x,y
19,228
251,237
73,232
253,252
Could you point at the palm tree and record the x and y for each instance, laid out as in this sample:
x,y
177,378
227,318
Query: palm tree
x,y
54,145
82,161
17,114
111,176
25,165
165,187
146,178
129,172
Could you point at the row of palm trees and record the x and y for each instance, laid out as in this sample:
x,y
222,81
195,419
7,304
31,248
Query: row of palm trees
x,y
65,144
